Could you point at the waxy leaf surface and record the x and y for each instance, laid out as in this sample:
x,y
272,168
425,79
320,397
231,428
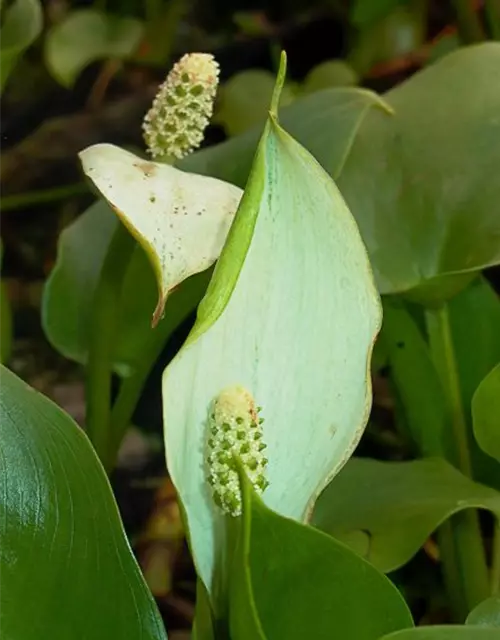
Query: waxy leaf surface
x,y
66,567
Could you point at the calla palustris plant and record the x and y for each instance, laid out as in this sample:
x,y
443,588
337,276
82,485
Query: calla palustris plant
x,y
276,368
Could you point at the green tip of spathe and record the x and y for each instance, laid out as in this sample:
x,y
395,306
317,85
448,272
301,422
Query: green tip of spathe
x,y
280,81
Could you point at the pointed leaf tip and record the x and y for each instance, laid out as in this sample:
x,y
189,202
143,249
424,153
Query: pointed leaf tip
x,y
278,87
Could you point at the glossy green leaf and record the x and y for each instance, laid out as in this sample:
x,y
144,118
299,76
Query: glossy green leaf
x,y
85,36
486,413
243,100
415,378
67,569
180,219
21,25
5,320
293,260
70,290
420,182
444,632
397,505
486,614
305,584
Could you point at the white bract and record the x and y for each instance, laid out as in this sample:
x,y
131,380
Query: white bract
x,y
291,315
181,219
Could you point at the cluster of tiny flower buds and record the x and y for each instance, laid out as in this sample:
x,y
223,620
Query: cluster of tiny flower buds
x,y
182,108
235,432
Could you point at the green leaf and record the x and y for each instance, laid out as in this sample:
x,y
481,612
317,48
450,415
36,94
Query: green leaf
x,y
397,505
331,73
85,36
180,219
5,320
415,378
398,33
70,290
419,182
444,632
486,413
365,12
63,550
293,266
21,25
244,99
307,585
486,614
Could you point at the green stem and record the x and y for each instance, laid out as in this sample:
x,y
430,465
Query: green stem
x,y
129,394
103,325
469,25
35,198
450,570
495,561
465,536
181,303
493,16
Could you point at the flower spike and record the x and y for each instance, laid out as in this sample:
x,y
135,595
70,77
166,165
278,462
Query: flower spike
x,y
182,108
235,433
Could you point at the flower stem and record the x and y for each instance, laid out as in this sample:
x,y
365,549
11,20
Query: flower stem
x,y
469,25
464,535
103,325
42,196
129,394
492,9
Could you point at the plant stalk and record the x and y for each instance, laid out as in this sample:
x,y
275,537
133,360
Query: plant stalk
x,y
103,329
464,535
42,196
469,25
129,394
492,9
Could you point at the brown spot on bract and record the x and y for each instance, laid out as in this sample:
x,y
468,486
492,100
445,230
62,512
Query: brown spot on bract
x,y
147,168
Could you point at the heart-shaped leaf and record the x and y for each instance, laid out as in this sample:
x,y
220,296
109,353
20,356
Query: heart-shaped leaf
x,y
304,584
85,36
396,505
180,219
22,23
67,569
420,181
70,289
293,265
